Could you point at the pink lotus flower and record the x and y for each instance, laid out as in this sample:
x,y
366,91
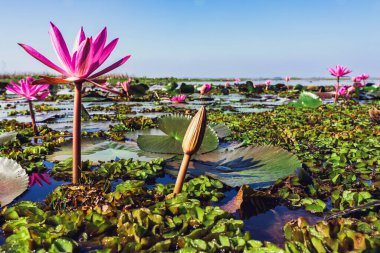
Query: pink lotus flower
x,y
357,79
339,71
287,78
205,88
38,178
25,89
88,55
178,99
237,80
125,85
227,85
267,82
364,76
343,90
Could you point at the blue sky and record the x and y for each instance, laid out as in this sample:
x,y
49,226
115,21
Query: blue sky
x,y
204,38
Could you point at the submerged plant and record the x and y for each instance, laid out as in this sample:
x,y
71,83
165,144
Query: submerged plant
x,y
338,72
88,55
30,92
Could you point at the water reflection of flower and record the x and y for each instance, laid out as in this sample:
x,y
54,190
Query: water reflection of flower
x,y
39,178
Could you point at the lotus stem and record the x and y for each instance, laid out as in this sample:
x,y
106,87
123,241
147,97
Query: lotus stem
x,y
336,90
77,132
34,125
191,144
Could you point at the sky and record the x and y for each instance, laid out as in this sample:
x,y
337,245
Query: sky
x,y
203,38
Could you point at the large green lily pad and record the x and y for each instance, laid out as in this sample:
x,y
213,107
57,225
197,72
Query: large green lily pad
x,y
257,166
103,150
175,128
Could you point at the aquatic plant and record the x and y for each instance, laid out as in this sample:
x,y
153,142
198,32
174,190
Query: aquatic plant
x,y
287,79
38,178
338,72
374,114
125,86
364,77
87,56
174,128
191,143
30,92
307,99
178,99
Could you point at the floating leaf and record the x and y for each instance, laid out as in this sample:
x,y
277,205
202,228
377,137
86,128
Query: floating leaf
x,y
256,166
13,180
138,89
175,127
307,99
101,150
170,86
186,88
221,130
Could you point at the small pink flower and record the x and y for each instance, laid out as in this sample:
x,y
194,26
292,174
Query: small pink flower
x,y
25,89
227,85
339,71
357,79
178,99
364,76
287,78
125,85
267,82
343,90
237,80
205,88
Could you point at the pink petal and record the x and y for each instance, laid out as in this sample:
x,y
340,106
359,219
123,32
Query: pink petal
x,y
99,43
111,67
60,47
107,51
51,80
84,59
78,40
43,95
34,53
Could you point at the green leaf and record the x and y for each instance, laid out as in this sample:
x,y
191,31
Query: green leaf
x,y
307,99
175,127
255,166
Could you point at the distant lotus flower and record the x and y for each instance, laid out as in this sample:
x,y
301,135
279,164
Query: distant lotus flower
x,y
38,178
364,76
178,99
205,88
87,56
25,89
338,72
267,83
237,80
343,91
357,79
30,92
125,86
287,78
227,85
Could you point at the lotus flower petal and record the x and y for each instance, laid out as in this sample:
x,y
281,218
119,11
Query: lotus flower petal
x,y
13,180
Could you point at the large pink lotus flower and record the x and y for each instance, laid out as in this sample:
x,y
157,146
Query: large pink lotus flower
x,y
88,55
178,99
38,178
25,89
205,88
339,71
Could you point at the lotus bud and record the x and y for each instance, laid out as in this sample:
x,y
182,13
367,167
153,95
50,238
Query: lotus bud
x,y
191,144
195,132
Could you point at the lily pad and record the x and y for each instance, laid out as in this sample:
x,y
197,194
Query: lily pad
x,y
307,99
13,180
175,128
257,166
103,150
